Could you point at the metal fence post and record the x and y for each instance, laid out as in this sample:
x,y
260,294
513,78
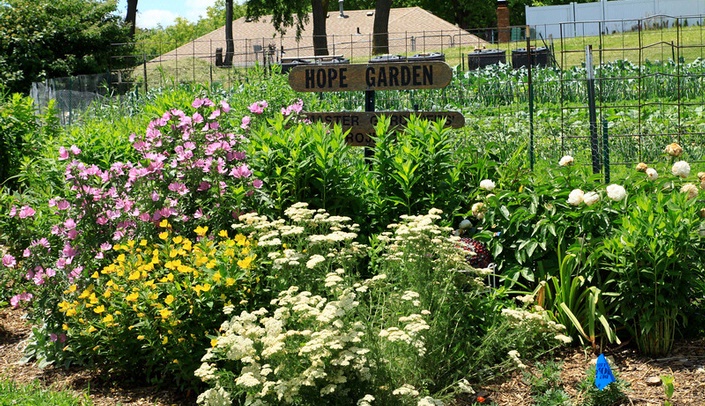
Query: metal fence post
x,y
592,110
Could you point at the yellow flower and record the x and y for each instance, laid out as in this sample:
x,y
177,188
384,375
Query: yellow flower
x,y
93,299
92,329
164,223
169,300
187,245
131,243
149,284
143,243
165,340
214,342
223,233
121,258
134,275
206,287
132,297
108,319
216,277
178,239
140,337
201,231
164,235
245,263
86,292
95,275
70,312
211,264
100,309
173,253
229,252
107,293
165,313
229,281
71,289
240,239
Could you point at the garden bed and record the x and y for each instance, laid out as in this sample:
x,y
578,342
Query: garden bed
x,y
686,364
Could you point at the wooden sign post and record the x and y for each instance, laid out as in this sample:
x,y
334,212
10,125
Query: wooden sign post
x,y
370,78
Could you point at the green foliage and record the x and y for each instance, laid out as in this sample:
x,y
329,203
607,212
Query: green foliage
x,y
656,258
47,39
33,393
612,395
668,388
547,385
148,313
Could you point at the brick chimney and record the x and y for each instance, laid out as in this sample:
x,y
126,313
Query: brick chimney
x,y
503,21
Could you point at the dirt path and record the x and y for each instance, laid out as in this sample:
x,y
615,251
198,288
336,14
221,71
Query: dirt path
x,y
686,364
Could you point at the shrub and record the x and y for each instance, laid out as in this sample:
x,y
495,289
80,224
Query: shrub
x,y
148,314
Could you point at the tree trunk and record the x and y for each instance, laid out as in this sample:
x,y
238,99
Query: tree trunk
x,y
229,45
320,40
380,28
131,17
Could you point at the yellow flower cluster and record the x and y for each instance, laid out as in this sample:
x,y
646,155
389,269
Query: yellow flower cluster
x,y
150,288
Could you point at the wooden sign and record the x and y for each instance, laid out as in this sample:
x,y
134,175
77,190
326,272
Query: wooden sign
x,y
362,124
373,76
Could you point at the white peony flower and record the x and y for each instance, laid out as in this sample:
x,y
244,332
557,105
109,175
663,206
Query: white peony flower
x,y
616,192
591,198
651,174
681,168
575,197
690,189
487,184
566,161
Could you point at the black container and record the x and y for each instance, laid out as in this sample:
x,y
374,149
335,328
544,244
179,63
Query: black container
x,y
485,57
432,56
334,61
286,67
387,58
539,57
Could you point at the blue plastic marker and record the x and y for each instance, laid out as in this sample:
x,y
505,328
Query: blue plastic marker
x,y
603,373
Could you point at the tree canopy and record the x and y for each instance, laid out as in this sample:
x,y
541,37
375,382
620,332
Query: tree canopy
x,y
54,38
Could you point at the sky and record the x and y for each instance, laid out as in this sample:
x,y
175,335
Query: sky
x,y
151,13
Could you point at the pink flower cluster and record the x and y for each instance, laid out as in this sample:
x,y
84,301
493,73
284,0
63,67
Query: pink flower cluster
x,y
188,170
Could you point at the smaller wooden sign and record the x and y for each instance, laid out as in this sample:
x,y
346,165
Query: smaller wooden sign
x,y
362,124
373,76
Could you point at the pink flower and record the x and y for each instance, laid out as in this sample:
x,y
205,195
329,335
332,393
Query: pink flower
x,y
75,150
63,154
27,253
63,205
50,272
258,107
70,224
215,114
245,123
9,261
257,183
203,186
27,211
25,297
242,171
225,106
13,211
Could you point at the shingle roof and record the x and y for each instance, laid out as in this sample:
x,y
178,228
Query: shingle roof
x,y
411,30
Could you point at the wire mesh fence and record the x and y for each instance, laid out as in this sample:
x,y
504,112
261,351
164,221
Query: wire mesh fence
x,y
649,82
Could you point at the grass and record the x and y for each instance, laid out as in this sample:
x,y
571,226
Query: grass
x,y
12,393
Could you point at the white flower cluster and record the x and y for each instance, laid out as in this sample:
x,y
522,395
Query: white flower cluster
x,y
409,333
310,237
538,318
514,356
614,192
305,342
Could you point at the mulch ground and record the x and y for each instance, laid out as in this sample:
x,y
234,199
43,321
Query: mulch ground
x,y
686,364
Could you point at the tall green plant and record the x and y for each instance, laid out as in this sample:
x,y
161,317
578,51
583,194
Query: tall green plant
x,y
656,259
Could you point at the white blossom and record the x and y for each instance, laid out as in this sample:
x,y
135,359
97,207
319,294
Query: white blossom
x,y
616,192
591,198
651,174
690,189
566,161
487,184
575,197
681,169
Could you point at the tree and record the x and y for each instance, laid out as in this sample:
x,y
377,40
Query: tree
x,y
229,45
294,13
131,17
380,27
42,39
